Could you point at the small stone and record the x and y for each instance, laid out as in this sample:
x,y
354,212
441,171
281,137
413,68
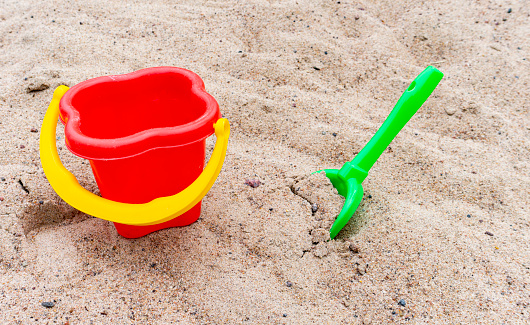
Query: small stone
x,y
289,284
41,202
361,268
34,130
22,146
284,315
402,302
334,134
450,110
314,207
253,183
354,248
319,235
48,304
469,216
488,233
3,179
1,198
509,10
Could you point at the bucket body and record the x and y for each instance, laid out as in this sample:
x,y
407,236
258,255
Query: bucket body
x,y
150,175
143,134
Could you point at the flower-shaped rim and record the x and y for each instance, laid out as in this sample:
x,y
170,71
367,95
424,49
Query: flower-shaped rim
x,y
92,148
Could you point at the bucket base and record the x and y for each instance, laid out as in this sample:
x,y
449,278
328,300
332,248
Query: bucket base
x,y
185,219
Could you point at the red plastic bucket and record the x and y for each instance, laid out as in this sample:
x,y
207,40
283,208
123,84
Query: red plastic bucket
x,y
144,135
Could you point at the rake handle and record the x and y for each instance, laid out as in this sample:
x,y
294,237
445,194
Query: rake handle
x,y
409,103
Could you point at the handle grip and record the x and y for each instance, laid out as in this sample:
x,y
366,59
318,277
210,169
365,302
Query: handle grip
x,y
409,103
157,211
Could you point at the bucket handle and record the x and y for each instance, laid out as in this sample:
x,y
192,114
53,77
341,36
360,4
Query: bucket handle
x,y
154,212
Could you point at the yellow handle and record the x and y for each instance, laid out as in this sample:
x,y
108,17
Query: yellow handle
x,y
157,211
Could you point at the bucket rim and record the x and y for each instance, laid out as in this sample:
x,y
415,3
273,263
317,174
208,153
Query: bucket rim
x,y
92,148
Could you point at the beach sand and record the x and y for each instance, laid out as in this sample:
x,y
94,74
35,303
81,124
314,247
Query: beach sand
x,y
441,236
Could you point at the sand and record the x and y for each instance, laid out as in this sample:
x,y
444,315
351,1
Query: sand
x,y
442,233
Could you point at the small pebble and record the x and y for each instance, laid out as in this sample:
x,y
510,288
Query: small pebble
x,y
509,10
289,284
253,183
402,302
1,198
450,110
488,233
469,216
41,202
334,134
284,315
314,207
354,248
22,146
34,130
48,304
3,179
